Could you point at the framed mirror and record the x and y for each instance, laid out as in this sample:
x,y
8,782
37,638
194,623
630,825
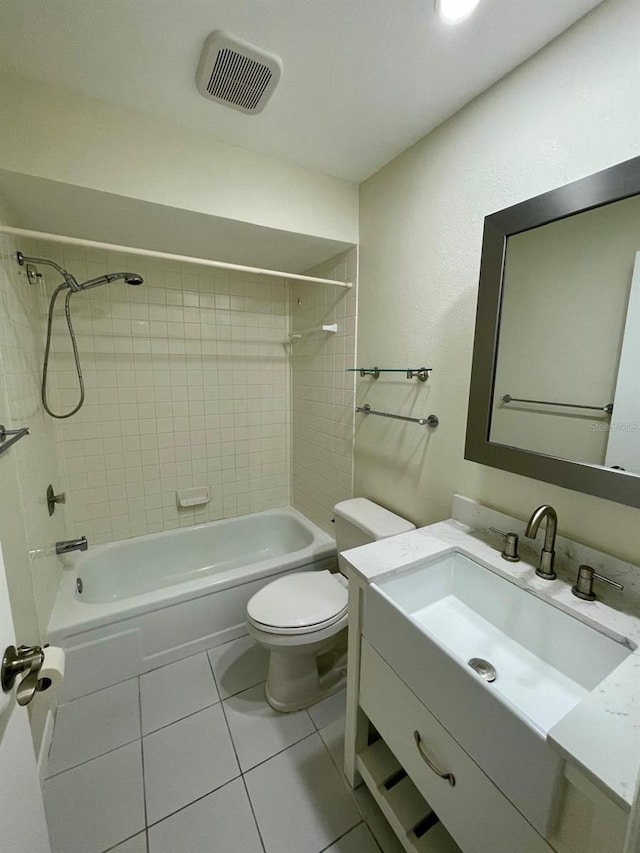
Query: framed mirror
x,y
555,382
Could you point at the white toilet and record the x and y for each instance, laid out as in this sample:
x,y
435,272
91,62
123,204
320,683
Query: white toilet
x,y
302,618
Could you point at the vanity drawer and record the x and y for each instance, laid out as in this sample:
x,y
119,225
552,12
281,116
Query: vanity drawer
x,y
476,813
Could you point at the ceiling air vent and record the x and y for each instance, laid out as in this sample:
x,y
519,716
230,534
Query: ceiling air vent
x,y
236,73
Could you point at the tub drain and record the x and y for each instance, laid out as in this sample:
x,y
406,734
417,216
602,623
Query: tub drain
x,y
483,668
79,585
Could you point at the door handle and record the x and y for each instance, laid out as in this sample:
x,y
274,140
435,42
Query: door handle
x,y
15,662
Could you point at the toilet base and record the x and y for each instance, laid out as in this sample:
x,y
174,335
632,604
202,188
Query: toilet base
x,y
308,701
297,681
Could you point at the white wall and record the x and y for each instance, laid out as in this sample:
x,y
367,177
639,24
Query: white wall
x,y
568,112
57,134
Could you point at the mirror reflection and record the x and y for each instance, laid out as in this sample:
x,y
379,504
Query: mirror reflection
x,y
567,379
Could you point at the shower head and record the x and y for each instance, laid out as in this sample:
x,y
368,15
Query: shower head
x,y
129,278
70,281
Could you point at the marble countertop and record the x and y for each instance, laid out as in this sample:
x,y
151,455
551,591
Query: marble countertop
x,y
601,735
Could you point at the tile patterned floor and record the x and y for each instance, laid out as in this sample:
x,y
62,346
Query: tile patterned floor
x,y
190,758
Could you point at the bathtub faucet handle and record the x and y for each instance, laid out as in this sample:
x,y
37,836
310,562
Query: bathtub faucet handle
x,y
65,547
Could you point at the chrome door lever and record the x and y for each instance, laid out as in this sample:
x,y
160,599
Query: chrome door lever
x,y
15,662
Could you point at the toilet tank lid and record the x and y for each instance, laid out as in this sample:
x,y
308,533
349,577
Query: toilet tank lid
x,y
375,520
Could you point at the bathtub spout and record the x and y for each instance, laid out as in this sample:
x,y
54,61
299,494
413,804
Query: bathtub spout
x,y
64,547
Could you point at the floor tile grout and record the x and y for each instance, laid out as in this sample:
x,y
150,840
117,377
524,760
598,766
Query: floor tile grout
x,y
93,758
242,773
155,669
340,837
197,800
244,783
275,754
99,690
131,678
124,840
180,719
144,781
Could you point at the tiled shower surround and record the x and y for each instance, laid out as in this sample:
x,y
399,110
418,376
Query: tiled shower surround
x,y
34,457
322,391
188,384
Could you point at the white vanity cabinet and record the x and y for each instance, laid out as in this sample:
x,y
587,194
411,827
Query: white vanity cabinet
x,y
588,821
477,815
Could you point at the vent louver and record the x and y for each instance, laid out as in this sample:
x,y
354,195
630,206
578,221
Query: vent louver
x,y
236,73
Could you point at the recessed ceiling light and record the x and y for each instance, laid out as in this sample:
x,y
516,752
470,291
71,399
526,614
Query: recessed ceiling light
x,y
454,11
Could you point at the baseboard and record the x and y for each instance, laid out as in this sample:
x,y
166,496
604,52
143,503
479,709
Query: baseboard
x,y
45,745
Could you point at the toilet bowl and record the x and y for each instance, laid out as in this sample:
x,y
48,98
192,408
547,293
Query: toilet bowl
x,y
298,619
301,619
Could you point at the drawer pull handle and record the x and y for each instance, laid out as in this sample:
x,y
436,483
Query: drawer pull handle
x,y
451,779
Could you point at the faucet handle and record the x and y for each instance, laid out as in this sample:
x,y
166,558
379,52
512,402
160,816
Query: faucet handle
x,y
583,587
510,550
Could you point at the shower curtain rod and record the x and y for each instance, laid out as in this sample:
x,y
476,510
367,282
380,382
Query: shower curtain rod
x,y
166,256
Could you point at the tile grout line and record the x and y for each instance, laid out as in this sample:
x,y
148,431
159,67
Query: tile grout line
x,y
316,730
213,674
340,837
351,792
241,776
235,752
197,800
155,669
279,752
181,719
142,734
93,758
99,690
213,790
125,840
250,801
144,783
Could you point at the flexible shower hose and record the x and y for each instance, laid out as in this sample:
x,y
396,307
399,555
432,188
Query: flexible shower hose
x,y
47,349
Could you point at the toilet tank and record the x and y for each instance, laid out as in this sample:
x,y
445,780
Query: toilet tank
x,y
360,521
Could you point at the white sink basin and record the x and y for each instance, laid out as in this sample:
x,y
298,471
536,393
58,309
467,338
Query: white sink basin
x,y
430,620
545,660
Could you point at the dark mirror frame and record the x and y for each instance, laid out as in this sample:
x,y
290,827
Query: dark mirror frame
x,y
618,182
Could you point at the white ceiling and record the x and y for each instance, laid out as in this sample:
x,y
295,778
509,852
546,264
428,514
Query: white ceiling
x,y
362,81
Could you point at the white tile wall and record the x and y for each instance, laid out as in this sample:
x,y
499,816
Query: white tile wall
x,y
187,384
322,392
191,379
21,349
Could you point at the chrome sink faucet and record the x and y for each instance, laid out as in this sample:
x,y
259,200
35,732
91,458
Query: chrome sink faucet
x,y
547,557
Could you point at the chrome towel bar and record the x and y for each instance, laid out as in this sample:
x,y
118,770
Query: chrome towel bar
x,y
431,421
507,398
421,373
16,435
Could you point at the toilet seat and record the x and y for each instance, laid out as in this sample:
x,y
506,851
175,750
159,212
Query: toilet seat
x,y
299,603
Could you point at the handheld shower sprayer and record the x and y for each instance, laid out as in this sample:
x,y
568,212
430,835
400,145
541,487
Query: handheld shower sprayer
x,y
71,285
127,277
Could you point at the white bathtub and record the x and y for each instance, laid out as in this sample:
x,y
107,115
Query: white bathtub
x,y
155,599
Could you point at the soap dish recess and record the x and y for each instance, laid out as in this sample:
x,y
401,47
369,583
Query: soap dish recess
x,y
193,497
